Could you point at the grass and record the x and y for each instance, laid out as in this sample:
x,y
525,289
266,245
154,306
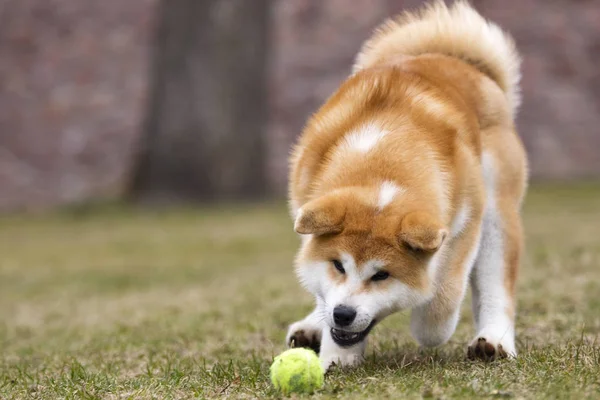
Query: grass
x,y
136,304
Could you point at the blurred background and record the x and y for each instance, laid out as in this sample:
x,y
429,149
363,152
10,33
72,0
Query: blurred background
x,y
186,100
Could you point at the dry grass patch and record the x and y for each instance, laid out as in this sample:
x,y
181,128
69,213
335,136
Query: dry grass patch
x,y
118,303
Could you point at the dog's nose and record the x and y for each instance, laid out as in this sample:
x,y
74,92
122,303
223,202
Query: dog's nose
x,y
343,315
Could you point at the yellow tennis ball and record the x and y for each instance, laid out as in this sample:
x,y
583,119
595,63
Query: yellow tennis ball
x,y
297,371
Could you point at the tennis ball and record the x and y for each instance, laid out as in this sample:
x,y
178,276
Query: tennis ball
x,y
297,371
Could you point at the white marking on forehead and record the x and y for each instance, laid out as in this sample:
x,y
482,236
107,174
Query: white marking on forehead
x,y
387,193
348,263
370,268
356,275
364,138
353,276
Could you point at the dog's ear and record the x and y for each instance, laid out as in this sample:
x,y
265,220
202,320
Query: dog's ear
x,y
324,215
422,231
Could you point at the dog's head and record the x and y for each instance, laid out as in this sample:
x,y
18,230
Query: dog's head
x,y
365,261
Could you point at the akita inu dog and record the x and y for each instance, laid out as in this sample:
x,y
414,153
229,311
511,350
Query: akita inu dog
x,y
407,184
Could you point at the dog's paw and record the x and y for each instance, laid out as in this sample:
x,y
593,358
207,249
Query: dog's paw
x,y
304,334
343,359
488,348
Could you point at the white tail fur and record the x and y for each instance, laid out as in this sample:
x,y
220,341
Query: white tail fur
x,y
458,31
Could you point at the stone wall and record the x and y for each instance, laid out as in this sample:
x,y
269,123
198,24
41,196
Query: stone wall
x,y
73,79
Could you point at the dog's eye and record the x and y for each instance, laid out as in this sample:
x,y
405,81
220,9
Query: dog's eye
x,y
380,276
338,265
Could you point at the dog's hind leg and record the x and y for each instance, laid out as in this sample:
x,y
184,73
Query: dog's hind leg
x,y
495,272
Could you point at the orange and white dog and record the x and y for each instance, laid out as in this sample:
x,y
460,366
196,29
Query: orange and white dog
x,y
407,184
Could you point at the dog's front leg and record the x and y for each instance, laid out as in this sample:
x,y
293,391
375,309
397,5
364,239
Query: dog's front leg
x,y
307,331
332,353
434,322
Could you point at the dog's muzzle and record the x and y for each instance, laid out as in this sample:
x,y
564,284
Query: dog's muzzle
x,y
346,339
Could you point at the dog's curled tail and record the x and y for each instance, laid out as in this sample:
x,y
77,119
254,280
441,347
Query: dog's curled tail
x,y
457,31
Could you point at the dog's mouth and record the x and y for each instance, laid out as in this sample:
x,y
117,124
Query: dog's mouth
x,y
347,339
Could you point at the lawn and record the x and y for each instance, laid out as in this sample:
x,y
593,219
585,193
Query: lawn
x,y
115,303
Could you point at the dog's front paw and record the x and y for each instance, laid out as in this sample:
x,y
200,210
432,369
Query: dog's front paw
x,y
489,346
304,334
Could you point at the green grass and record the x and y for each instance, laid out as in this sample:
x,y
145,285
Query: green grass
x,y
117,303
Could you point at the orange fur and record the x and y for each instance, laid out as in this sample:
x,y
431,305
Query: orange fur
x,y
417,115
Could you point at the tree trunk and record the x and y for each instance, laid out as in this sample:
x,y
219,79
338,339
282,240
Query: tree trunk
x,y
204,135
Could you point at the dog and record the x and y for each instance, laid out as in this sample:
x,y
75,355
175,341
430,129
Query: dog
x,y
407,184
